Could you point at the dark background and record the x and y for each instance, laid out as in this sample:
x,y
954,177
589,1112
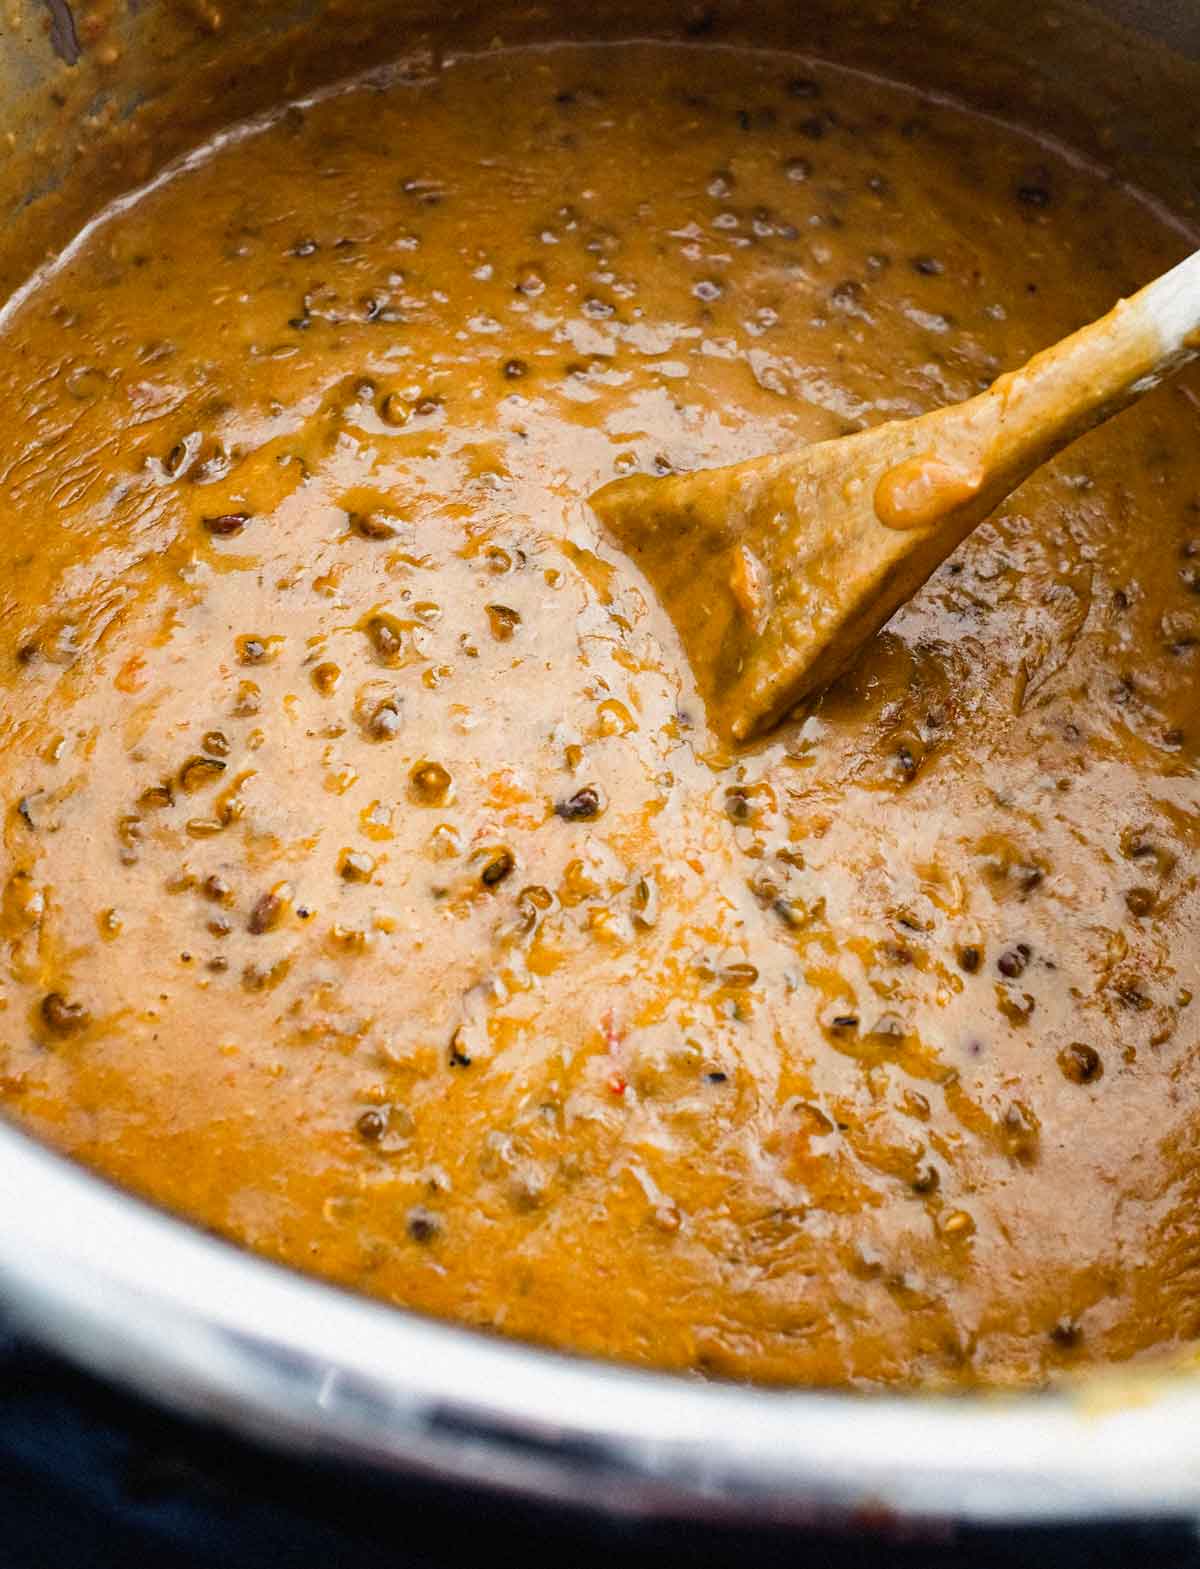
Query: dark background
x,y
90,1479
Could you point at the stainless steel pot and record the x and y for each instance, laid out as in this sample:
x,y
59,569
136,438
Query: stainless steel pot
x,y
90,105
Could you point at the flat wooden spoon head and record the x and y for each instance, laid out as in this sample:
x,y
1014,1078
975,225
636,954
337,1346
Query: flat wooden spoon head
x,y
777,570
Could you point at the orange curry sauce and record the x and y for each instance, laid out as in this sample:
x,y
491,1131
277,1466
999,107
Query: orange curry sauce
x,y
374,892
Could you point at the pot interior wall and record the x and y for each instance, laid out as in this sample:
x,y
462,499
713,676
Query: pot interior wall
x,y
95,99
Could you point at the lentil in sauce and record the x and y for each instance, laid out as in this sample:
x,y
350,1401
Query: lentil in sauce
x,y
374,890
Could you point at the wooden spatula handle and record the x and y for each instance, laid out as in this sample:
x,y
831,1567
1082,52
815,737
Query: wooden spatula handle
x,y
776,571
1073,386
1172,304
975,453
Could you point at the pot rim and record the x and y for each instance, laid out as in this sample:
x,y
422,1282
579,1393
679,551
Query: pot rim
x,y
194,1323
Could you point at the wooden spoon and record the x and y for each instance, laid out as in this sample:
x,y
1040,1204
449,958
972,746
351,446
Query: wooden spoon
x,y
777,570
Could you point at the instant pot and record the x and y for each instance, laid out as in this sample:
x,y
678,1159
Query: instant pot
x,y
96,99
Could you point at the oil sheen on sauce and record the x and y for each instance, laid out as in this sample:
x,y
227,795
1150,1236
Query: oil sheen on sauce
x,y
373,889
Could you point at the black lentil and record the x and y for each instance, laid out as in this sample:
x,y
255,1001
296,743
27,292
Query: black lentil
x,y
422,1224
227,524
1013,961
584,805
1080,1063
269,910
371,1126
63,1017
1141,901
497,868
373,525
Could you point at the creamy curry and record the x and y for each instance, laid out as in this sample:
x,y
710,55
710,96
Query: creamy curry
x,y
375,892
